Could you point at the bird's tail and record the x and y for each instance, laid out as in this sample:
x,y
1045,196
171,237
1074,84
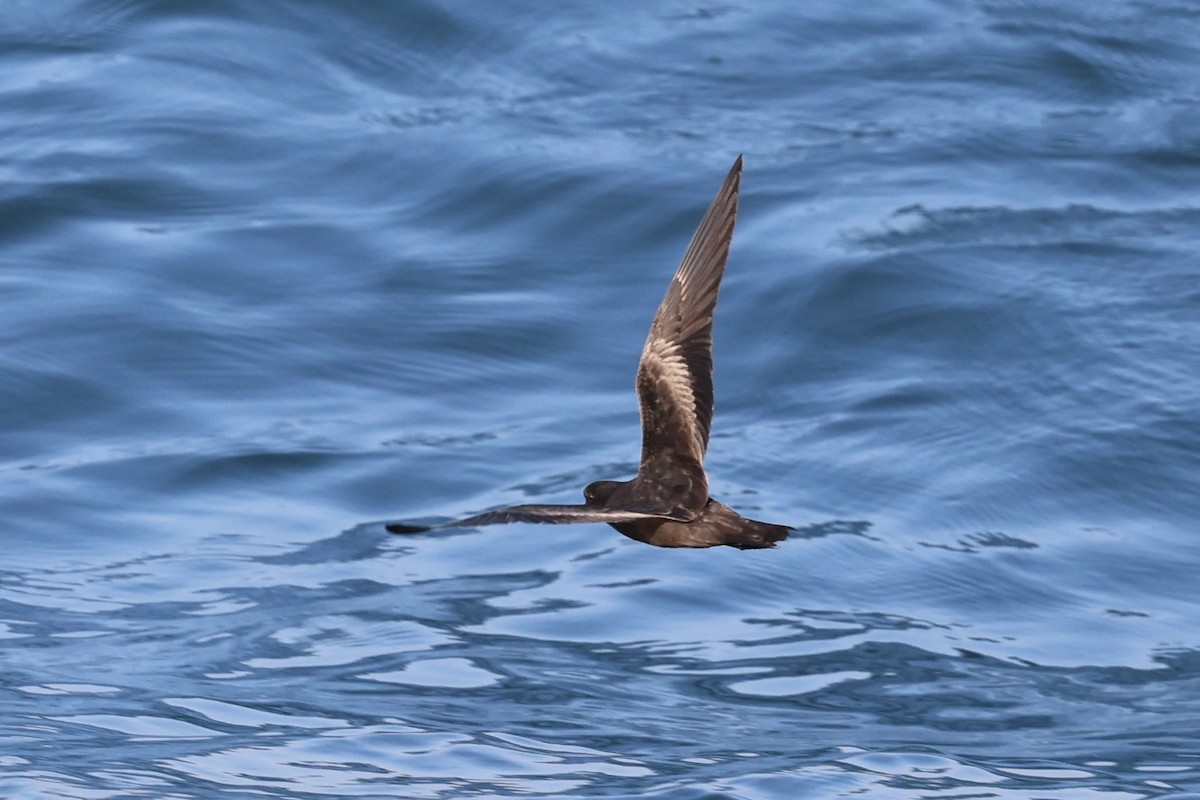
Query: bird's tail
x,y
755,535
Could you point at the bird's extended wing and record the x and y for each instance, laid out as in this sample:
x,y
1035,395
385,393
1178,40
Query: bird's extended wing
x,y
674,379
539,513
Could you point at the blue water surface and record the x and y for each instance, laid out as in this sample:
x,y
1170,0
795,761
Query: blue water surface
x,y
274,273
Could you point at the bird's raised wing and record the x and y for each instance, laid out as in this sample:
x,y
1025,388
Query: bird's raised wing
x,y
674,379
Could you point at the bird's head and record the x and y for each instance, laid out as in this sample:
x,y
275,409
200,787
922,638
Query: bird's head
x,y
598,492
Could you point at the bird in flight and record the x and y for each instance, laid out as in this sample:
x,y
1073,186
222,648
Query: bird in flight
x,y
667,503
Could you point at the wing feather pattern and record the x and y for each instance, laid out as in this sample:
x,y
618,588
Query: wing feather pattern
x,y
674,380
553,515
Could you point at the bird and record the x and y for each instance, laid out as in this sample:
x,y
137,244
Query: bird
x,y
667,503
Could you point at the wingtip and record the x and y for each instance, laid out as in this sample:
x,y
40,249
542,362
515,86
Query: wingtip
x,y
734,178
736,169
399,527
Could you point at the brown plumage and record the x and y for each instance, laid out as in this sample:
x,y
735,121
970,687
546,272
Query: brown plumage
x,y
667,503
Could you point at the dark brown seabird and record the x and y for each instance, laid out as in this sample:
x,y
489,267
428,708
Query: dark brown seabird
x,y
667,502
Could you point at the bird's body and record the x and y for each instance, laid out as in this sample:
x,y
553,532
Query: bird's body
x,y
715,524
667,503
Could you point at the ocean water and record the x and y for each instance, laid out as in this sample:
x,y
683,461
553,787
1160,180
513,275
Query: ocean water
x,y
273,274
